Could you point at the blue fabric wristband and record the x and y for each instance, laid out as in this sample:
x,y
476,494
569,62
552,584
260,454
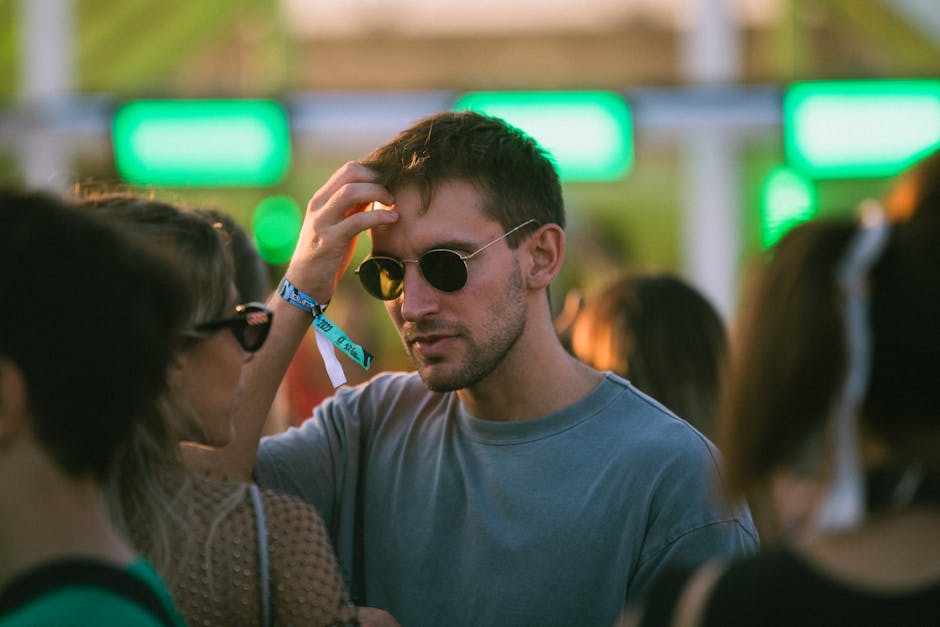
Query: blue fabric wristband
x,y
322,324
298,299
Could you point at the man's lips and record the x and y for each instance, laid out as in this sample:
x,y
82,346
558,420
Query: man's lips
x,y
428,339
430,344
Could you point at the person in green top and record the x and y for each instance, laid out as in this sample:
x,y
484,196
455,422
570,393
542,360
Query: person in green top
x,y
88,326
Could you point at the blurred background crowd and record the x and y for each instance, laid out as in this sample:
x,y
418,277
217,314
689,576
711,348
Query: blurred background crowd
x,y
690,133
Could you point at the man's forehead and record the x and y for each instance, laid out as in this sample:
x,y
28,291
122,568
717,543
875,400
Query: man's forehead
x,y
452,201
454,215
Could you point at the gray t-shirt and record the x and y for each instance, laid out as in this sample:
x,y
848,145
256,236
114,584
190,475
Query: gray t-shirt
x,y
443,518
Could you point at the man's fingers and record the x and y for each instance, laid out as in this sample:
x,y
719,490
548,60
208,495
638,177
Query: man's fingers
x,y
350,174
337,213
364,220
372,617
348,211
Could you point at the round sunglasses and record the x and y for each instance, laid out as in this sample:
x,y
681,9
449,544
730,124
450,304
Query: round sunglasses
x,y
445,270
250,325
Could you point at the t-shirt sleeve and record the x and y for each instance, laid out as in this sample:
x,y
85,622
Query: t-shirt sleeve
x,y
688,524
660,602
697,546
315,462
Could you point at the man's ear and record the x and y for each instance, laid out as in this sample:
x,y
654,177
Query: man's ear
x,y
14,401
546,248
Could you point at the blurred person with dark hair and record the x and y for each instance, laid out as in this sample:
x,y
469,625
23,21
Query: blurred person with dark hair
x,y
87,332
232,554
503,482
251,284
834,383
661,334
251,271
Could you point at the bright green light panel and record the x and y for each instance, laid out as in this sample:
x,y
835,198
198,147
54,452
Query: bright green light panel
x,y
275,224
589,134
857,129
787,198
202,142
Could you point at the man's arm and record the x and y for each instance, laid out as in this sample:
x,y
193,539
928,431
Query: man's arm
x,y
722,539
689,522
335,216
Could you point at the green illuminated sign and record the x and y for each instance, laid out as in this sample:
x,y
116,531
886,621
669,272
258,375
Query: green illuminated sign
x,y
201,142
854,129
589,134
787,198
275,224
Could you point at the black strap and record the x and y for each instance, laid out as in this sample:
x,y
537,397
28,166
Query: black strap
x,y
886,487
357,587
663,597
75,572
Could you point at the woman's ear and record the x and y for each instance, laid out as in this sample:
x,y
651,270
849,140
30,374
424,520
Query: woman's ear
x,y
177,370
14,401
546,248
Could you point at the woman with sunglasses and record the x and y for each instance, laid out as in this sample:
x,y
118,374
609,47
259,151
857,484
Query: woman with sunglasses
x,y
230,553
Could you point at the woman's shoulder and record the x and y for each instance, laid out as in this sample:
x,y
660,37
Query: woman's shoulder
x,y
778,586
232,502
241,543
287,514
305,576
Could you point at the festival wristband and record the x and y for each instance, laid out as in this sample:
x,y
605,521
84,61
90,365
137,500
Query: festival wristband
x,y
298,299
324,325
334,369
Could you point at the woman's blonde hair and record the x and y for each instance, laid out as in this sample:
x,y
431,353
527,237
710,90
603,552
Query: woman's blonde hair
x,y
150,486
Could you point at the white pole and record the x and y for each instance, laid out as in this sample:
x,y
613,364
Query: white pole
x,y
710,238
46,75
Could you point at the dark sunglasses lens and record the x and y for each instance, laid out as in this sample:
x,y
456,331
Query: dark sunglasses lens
x,y
444,269
252,330
381,277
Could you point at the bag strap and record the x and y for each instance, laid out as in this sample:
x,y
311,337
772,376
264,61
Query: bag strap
x,y
690,610
264,575
76,572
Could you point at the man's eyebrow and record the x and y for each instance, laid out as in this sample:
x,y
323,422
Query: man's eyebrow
x,y
455,245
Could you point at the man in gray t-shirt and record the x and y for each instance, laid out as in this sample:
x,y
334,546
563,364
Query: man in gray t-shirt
x,y
504,482
451,519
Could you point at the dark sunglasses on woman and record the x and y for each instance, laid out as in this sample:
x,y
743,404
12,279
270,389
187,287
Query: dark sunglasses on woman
x,y
250,325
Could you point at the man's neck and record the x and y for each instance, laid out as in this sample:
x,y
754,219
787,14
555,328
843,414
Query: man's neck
x,y
532,381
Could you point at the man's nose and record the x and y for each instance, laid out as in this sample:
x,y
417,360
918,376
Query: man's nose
x,y
418,297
